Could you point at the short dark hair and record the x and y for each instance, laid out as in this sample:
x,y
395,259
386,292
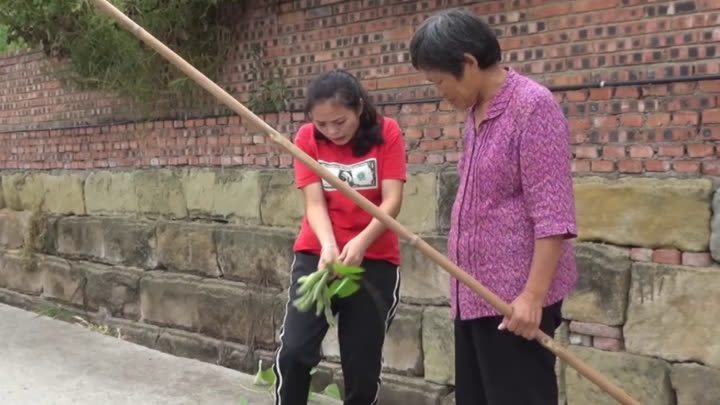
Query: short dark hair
x,y
443,38
344,88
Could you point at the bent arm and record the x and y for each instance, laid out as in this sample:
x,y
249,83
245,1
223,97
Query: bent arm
x,y
317,214
392,193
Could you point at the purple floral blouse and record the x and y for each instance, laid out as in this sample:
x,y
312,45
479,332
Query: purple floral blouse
x,y
515,186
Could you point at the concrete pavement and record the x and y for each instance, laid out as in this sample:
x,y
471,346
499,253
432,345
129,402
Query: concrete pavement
x,y
49,362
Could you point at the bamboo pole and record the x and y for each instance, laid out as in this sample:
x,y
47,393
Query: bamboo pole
x,y
503,307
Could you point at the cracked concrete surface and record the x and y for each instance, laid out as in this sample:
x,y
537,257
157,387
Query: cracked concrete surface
x,y
49,362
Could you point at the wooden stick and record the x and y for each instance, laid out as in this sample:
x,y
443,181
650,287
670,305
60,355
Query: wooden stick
x,y
356,197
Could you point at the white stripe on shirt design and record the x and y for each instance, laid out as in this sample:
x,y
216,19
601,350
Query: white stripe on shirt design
x,y
360,176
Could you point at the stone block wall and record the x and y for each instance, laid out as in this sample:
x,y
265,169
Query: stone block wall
x,y
195,262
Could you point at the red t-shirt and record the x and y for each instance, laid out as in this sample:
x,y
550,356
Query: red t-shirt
x,y
365,174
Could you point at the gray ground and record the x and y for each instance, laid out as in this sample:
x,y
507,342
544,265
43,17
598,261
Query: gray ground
x,y
45,361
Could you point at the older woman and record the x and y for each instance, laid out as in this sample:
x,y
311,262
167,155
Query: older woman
x,y
513,216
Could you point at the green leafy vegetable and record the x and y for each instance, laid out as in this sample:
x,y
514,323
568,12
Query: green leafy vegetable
x,y
314,289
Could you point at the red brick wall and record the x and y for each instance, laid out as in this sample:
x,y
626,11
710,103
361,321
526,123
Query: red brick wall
x,y
563,42
647,129
33,95
640,129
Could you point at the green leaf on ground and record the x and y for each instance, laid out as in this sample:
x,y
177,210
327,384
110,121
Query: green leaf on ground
x,y
264,377
332,391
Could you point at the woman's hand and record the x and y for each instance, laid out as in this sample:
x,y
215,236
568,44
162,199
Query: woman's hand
x,y
526,316
527,307
329,254
354,251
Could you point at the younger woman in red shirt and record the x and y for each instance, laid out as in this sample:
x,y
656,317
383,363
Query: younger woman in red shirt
x,y
367,151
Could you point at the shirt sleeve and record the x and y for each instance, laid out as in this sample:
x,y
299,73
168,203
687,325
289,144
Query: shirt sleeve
x,y
393,153
306,142
545,170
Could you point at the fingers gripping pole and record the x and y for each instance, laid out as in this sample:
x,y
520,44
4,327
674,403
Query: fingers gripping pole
x,y
250,118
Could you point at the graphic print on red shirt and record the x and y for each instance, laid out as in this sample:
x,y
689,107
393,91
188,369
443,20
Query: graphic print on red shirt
x,y
365,174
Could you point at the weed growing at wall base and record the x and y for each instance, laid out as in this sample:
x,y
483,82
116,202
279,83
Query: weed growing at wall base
x,y
34,239
55,312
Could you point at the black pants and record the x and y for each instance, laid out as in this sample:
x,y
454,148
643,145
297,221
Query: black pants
x,y
363,320
495,367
